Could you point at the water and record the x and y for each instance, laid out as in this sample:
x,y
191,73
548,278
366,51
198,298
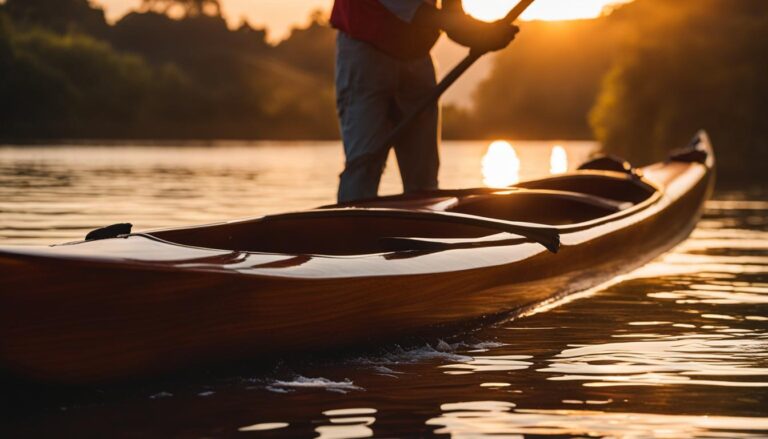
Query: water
x,y
676,349
53,194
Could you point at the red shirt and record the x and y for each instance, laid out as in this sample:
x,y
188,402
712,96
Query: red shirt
x,y
370,21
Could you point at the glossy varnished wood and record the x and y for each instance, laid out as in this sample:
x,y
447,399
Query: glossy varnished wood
x,y
145,304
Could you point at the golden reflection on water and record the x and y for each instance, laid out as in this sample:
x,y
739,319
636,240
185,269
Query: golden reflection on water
x,y
501,166
347,423
662,360
502,419
498,363
51,194
685,336
704,333
266,426
558,162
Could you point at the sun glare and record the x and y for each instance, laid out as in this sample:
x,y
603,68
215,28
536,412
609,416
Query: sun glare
x,y
490,10
501,167
558,161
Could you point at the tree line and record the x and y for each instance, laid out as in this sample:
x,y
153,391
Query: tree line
x,y
641,79
66,73
686,65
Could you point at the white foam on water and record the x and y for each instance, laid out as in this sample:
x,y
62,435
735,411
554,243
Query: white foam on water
x,y
401,355
302,382
488,345
441,351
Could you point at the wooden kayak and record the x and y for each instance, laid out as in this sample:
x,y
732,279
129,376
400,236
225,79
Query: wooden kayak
x,y
149,303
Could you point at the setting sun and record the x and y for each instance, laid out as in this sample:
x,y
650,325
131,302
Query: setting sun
x,y
540,10
279,17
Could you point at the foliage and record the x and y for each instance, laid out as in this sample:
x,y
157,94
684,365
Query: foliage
x,y
56,81
245,88
58,15
157,78
311,49
652,73
545,84
687,65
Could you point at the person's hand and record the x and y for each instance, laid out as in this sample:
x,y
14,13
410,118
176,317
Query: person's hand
x,y
478,35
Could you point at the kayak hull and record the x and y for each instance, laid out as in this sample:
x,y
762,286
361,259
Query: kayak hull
x,y
78,317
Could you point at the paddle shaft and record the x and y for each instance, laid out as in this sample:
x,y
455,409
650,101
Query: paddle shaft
x,y
444,85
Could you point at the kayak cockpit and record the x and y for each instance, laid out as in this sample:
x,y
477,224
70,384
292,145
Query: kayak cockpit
x,y
605,185
369,227
554,208
340,235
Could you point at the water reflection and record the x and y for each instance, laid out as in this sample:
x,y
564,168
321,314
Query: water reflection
x,y
501,166
347,424
264,426
674,360
57,194
705,336
558,161
740,292
489,364
494,419
677,349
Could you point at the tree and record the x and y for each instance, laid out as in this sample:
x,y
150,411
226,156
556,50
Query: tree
x,y
544,86
154,76
675,76
311,48
58,15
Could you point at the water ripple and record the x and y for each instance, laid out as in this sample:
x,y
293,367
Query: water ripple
x,y
676,360
498,419
647,356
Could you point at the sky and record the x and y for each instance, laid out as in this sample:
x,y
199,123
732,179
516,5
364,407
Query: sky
x,y
279,16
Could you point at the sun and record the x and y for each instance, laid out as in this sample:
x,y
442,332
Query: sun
x,y
490,10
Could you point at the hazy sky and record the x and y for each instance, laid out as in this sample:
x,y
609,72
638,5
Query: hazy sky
x,y
278,16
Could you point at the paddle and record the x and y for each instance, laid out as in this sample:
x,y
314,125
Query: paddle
x,y
549,237
446,83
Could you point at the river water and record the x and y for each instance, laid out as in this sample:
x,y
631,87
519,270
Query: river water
x,y
676,349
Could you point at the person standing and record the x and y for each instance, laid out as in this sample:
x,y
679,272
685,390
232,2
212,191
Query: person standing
x,y
384,70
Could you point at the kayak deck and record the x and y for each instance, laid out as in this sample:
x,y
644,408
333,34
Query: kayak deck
x,y
338,231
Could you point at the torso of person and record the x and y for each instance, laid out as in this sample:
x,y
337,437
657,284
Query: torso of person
x,y
370,21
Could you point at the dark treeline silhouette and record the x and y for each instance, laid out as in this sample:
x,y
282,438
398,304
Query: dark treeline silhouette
x,y
545,85
66,73
58,15
641,80
685,65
